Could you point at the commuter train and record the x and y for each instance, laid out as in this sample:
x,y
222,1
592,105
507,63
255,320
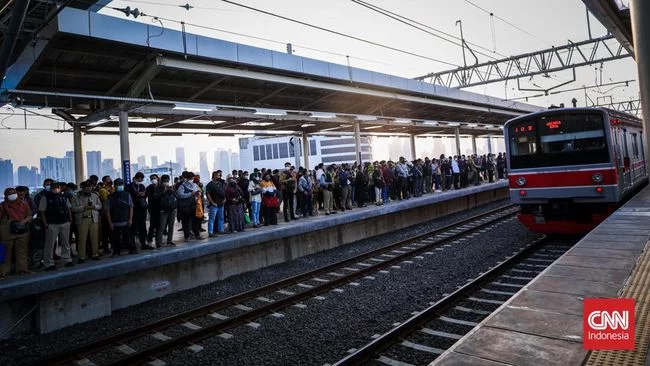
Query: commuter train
x,y
570,168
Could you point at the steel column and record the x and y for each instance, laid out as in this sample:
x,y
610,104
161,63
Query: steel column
x,y
413,156
357,142
457,133
639,9
489,143
124,147
305,149
12,34
474,150
78,154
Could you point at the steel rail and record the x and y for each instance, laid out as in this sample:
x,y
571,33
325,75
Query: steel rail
x,y
390,338
146,329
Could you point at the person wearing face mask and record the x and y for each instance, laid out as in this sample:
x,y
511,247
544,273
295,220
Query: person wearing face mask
x,y
234,203
270,201
56,215
188,193
138,194
86,206
255,190
15,215
154,210
166,201
243,185
119,214
105,232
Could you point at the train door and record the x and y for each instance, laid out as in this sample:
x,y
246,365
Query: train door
x,y
644,168
627,162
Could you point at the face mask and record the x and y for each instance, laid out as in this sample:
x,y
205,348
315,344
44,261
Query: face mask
x,y
120,188
154,181
47,188
165,184
12,197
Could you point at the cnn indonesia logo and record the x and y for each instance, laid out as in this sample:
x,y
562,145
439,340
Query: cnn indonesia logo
x,y
608,324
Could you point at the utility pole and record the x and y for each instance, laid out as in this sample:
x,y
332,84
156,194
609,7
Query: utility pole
x,y
462,41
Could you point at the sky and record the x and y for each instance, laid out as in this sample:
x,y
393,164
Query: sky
x,y
541,24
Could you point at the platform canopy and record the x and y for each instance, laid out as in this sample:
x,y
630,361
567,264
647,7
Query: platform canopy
x,y
88,66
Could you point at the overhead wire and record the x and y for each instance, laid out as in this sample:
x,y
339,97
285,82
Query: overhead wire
x,y
507,22
406,20
339,33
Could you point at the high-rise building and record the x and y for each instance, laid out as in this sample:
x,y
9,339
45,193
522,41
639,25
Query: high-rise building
x,y
28,177
223,161
94,163
142,162
234,161
59,169
180,157
108,168
154,161
6,174
203,166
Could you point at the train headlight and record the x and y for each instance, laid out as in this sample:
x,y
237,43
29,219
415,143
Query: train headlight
x,y
521,181
597,177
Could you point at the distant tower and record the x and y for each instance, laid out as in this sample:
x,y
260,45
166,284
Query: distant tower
x,y
180,157
203,166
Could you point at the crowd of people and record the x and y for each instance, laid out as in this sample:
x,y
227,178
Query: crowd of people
x,y
109,217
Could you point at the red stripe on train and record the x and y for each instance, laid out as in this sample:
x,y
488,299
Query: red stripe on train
x,y
563,179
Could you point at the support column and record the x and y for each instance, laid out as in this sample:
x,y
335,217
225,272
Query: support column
x,y
413,156
357,142
305,149
457,132
641,33
474,151
78,154
489,143
125,152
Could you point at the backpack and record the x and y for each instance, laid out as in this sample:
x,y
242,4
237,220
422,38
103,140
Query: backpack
x,y
168,202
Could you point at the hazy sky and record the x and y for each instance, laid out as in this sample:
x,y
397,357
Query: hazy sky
x,y
550,22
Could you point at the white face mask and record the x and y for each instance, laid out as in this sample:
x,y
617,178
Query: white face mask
x,y
12,197
154,181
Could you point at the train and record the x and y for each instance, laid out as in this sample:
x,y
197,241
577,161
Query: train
x,y
570,168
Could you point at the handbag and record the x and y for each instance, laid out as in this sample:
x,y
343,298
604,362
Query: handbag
x,y
247,217
199,209
17,228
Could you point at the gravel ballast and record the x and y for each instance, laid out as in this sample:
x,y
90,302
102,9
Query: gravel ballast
x,y
324,330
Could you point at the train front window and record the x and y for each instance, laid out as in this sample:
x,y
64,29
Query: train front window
x,y
558,139
572,134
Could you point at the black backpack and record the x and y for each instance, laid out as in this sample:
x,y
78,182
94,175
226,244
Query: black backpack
x,y
168,202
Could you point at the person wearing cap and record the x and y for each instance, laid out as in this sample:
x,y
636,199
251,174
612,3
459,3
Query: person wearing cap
x,y
119,214
86,206
14,210
56,217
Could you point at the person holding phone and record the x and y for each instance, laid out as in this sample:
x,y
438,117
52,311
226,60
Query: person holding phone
x,y
85,207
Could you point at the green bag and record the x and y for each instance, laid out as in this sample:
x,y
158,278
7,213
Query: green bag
x,y
247,217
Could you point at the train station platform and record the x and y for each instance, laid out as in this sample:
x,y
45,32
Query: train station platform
x,y
542,324
52,300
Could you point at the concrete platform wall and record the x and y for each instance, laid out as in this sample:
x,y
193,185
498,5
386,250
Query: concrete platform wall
x,y
82,302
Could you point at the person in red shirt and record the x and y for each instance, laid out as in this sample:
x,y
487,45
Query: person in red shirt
x,y
15,237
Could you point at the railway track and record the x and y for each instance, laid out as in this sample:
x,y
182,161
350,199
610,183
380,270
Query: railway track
x,y
427,334
148,342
